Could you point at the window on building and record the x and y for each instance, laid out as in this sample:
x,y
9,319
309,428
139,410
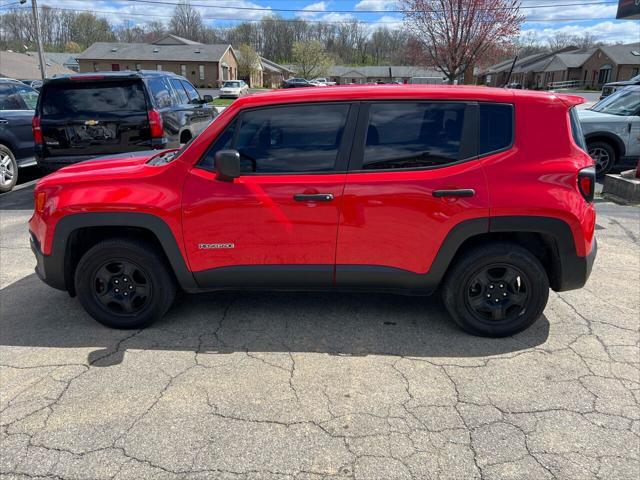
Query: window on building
x,y
95,66
115,67
159,66
138,66
183,70
274,140
201,72
413,135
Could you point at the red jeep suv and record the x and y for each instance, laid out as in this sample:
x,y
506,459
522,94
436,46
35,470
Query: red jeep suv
x,y
483,193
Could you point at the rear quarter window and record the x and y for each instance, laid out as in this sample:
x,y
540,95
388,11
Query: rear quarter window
x,y
79,97
496,127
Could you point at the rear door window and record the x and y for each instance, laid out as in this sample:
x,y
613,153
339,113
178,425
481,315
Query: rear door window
x,y
404,135
9,99
29,96
182,98
496,127
93,97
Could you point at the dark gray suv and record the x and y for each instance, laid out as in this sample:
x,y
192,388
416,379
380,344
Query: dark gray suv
x,y
83,116
17,103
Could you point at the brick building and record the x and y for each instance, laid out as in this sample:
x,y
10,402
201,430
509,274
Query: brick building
x,y
206,66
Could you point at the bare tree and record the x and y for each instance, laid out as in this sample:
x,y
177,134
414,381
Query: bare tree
x,y
186,21
456,34
561,40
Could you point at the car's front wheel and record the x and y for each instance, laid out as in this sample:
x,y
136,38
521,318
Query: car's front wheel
x,y
496,290
124,283
603,155
8,170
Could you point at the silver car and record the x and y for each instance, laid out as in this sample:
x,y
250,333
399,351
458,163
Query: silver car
x,y
612,129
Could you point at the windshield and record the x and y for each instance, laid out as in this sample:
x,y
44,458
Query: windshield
x,y
231,85
623,102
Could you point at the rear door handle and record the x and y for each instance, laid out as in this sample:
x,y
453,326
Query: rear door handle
x,y
313,197
4,121
460,192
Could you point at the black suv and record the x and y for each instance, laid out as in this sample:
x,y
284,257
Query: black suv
x,y
17,102
82,116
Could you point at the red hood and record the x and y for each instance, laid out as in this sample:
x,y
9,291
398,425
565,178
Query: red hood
x,y
128,165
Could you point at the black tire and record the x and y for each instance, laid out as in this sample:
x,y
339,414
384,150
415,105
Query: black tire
x,y
8,170
136,271
604,155
518,303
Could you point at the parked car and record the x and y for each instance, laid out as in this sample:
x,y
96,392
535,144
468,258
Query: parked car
x,y
35,84
297,82
85,115
234,89
323,81
515,85
17,102
611,87
612,129
377,192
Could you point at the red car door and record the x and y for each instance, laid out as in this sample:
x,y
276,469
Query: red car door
x,y
413,177
275,225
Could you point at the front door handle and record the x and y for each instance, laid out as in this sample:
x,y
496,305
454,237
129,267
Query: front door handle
x,y
313,197
460,192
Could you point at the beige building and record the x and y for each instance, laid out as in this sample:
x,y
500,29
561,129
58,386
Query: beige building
x,y
206,66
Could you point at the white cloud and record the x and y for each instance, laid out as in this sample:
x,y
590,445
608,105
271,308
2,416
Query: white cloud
x,y
389,22
608,31
377,5
575,11
313,6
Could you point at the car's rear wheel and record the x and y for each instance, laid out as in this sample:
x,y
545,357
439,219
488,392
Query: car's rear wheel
x,y
124,284
496,290
8,170
604,155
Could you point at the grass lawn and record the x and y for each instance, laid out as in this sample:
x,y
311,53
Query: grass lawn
x,y
221,102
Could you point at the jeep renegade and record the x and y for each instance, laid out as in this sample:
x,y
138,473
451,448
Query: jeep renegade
x,y
484,194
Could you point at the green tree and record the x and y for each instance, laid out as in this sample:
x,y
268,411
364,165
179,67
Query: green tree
x,y
311,59
248,62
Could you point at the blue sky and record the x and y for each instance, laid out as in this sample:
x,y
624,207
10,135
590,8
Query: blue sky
x,y
599,15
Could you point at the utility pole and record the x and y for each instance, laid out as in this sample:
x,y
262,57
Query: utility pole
x,y
36,21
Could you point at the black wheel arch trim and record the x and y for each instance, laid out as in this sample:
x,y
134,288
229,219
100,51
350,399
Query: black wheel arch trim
x,y
572,270
613,138
53,268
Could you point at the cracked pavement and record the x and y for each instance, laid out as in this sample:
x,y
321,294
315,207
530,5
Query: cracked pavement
x,y
320,386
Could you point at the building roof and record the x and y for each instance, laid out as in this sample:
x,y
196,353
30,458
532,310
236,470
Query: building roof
x,y
562,61
192,52
623,54
62,58
273,66
172,39
26,66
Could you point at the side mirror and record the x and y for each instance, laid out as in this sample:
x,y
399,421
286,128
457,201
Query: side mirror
x,y
207,98
227,165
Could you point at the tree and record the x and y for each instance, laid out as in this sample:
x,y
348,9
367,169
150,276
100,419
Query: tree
x,y
186,21
456,34
311,59
248,62
561,40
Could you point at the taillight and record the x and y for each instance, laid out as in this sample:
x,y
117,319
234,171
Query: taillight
x,y
37,131
587,183
155,124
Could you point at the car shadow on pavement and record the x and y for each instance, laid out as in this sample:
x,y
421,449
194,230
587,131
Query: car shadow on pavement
x,y
358,324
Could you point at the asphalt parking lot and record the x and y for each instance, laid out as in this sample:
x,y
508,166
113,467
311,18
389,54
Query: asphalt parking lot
x,y
314,386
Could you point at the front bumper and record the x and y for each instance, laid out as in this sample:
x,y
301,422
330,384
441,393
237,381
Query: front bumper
x,y
48,268
229,95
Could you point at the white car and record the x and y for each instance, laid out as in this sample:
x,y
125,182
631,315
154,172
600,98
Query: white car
x,y
233,89
323,82
612,129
